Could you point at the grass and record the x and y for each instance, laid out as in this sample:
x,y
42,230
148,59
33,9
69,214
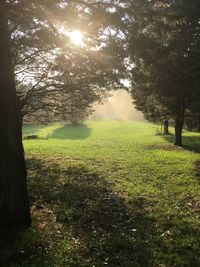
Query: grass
x,y
111,193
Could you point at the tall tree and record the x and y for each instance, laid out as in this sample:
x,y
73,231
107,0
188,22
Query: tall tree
x,y
14,207
164,43
27,21
26,29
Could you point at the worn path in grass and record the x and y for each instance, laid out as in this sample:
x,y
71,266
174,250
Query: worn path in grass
x,y
111,193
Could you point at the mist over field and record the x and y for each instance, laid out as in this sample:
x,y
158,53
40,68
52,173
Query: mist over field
x,y
119,106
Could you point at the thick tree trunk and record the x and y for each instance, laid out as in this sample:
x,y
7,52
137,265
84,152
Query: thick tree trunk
x,y
179,122
166,126
14,206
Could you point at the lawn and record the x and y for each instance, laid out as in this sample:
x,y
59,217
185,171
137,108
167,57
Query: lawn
x,y
111,193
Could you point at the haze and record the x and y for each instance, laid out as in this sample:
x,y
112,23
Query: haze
x,y
119,107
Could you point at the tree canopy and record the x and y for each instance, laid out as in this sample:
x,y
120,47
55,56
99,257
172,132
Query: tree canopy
x,y
163,44
31,42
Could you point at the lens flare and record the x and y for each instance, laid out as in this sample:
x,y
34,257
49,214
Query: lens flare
x,y
77,38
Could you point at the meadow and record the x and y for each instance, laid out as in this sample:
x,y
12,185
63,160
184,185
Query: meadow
x,y
111,193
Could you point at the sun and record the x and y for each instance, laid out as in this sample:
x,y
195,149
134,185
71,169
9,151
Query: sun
x,y
76,38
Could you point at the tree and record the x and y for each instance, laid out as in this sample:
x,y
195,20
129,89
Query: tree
x,y
71,79
85,78
153,111
29,29
24,20
14,207
164,41
68,85
192,116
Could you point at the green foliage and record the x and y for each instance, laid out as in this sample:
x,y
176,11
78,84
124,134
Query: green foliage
x,y
56,79
164,45
111,193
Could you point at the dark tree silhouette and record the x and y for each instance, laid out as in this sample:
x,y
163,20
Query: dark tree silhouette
x,y
14,207
164,45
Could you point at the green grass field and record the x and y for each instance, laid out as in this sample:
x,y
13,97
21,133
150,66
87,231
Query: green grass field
x,y
111,193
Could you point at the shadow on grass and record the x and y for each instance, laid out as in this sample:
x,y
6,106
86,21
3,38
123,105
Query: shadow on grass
x,y
32,129
191,143
71,132
7,246
82,222
98,226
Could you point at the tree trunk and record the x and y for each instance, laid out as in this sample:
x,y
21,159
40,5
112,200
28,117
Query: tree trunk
x,y
166,126
179,122
14,206
178,132
198,127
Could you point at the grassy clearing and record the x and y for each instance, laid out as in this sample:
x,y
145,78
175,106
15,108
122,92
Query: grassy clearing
x,y
111,193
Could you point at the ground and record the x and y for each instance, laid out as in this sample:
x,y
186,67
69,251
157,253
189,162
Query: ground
x,y
111,193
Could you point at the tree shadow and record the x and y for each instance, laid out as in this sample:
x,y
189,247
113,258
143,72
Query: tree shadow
x,y
71,132
191,143
88,224
7,246
104,229
110,232
32,129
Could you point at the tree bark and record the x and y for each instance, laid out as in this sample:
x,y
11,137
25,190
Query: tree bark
x,y
166,126
178,132
198,127
14,205
179,122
